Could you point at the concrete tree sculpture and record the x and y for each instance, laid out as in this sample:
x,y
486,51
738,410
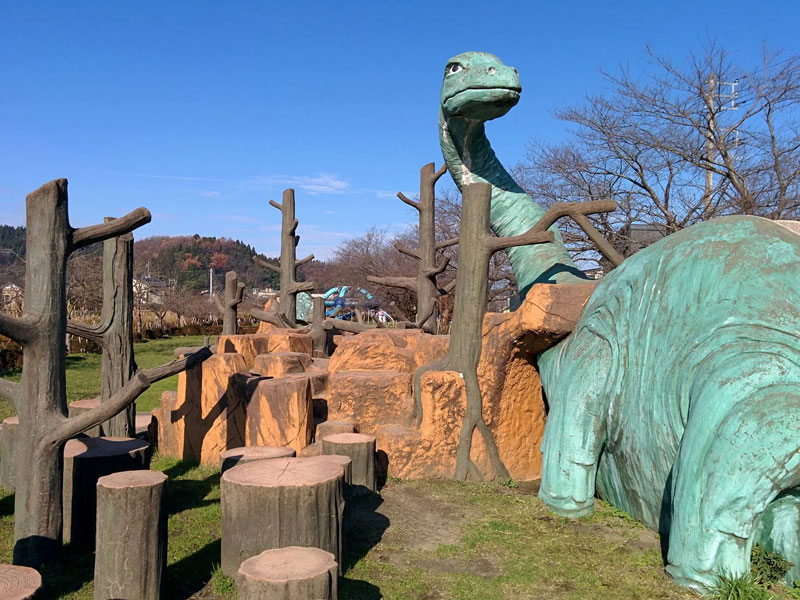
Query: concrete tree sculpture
x,y
476,246
287,270
234,294
424,286
114,333
40,397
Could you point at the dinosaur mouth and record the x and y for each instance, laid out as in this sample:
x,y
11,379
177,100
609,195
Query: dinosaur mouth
x,y
515,91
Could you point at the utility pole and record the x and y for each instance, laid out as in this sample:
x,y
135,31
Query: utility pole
x,y
709,144
211,284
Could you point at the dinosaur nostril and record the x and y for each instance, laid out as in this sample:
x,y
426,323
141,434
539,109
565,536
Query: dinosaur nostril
x,y
491,70
515,72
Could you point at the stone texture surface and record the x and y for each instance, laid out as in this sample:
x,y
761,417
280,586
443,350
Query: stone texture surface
x,y
333,427
280,413
271,305
370,398
514,408
206,416
247,345
279,364
289,340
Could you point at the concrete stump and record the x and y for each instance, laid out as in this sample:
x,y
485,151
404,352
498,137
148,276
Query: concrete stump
x,y
131,549
85,461
292,573
360,448
81,406
238,456
19,583
345,462
327,428
8,458
277,503
146,428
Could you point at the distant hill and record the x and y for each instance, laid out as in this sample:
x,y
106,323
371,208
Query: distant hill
x,y
184,258
12,244
188,259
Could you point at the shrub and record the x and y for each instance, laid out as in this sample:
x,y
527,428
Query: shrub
x,y
768,568
738,587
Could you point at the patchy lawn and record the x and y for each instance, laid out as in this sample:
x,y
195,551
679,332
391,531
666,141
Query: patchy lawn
x,y
421,540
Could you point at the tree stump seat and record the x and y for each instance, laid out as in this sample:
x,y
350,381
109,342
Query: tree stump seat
x,y
280,502
360,448
19,583
239,456
87,459
327,428
131,542
8,458
291,573
82,406
345,462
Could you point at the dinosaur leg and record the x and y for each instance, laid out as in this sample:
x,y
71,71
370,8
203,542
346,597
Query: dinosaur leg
x,y
576,424
736,456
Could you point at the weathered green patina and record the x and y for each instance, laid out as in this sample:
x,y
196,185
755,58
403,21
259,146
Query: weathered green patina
x,y
677,397
478,87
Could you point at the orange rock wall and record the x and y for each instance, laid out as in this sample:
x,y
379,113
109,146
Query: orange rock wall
x,y
514,408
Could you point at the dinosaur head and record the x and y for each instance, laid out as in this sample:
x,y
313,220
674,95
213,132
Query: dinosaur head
x,y
477,85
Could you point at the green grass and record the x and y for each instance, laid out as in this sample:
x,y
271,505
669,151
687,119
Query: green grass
x,y
420,540
83,373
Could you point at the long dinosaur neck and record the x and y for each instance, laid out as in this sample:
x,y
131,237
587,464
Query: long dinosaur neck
x,y
470,159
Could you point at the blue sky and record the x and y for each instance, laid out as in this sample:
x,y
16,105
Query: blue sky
x,y
203,111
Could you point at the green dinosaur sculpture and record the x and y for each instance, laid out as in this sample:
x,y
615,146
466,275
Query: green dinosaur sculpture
x,y
477,87
677,396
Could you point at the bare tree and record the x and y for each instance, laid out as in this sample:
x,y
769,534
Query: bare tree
x,y
424,285
681,144
40,397
287,270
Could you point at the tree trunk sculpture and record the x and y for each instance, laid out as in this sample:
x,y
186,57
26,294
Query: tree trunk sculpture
x,y
287,270
424,286
234,294
40,398
114,333
477,244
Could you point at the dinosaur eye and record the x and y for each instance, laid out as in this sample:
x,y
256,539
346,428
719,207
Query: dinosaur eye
x,y
454,68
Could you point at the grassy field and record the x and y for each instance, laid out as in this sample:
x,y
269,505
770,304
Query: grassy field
x,y
416,540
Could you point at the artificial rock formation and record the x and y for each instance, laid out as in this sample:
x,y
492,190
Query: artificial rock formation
x,y
260,390
131,548
477,244
513,405
424,285
234,294
280,502
290,287
40,397
292,573
85,461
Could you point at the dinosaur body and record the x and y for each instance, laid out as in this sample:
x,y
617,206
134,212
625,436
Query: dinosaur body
x,y
677,396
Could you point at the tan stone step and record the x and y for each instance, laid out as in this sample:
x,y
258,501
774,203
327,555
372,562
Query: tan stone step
x,y
370,398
